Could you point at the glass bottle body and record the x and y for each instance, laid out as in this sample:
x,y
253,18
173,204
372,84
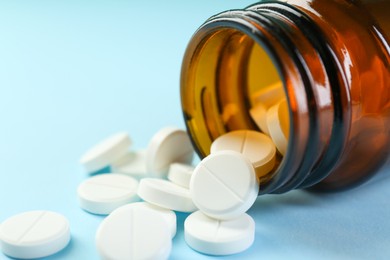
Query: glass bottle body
x,y
332,58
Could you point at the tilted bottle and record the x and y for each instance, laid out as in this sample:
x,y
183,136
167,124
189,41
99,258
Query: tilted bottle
x,y
332,58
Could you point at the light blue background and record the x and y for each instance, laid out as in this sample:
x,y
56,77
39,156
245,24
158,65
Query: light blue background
x,y
74,72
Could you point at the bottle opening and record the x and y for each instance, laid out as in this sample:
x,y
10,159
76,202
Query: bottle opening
x,y
229,82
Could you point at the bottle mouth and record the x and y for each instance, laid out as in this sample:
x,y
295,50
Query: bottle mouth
x,y
223,73
230,59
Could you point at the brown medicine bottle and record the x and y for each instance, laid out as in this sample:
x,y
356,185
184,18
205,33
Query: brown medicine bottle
x,y
332,58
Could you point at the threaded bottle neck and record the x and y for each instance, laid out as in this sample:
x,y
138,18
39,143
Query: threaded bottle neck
x,y
323,85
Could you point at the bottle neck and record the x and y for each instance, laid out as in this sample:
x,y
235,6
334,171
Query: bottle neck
x,y
316,92
304,63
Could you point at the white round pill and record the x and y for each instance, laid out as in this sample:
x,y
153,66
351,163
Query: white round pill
x,y
34,234
270,95
166,194
279,125
224,185
256,146
133,163
167,146
104,193
180,174
134,232
106,152
219,237
168,215
259,116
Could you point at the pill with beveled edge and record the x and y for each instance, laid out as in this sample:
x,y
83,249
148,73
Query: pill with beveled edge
x,y
167,146
34,234
256,146
279,125
180,174
224,185
101,194
166,194
133,232
219,237
106,152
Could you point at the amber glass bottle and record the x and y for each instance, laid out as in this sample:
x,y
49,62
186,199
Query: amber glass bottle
x,y
332,58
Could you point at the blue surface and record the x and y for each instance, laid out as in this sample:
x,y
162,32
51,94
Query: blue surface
x,y
74,72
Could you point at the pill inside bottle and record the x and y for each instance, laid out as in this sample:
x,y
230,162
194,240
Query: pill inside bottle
x,y
223,104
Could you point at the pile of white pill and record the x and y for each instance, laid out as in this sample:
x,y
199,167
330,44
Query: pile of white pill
x,y
141,191
271,114
217,192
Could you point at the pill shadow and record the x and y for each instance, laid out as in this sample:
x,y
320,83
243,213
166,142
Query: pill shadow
x,y
313,199
101,171
297,197
99,216
180,218
383,176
